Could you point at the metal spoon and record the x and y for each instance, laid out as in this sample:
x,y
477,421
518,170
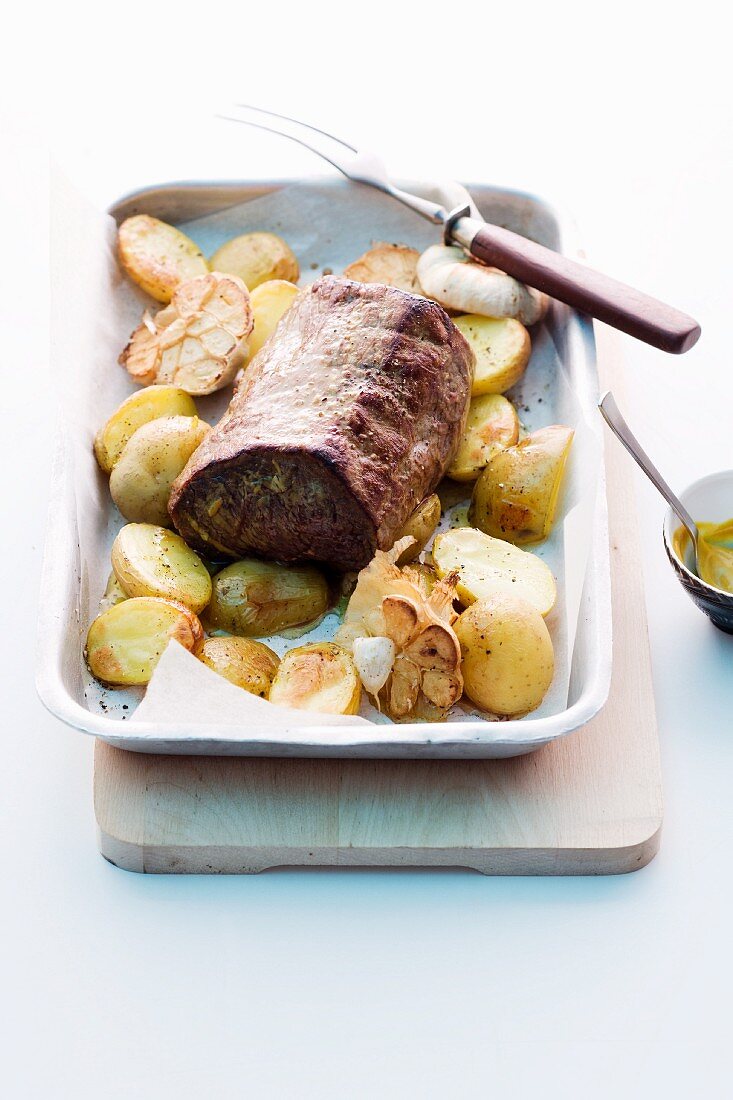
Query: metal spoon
x,y
611,414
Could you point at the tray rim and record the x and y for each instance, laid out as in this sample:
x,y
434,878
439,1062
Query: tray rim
x,y
416,740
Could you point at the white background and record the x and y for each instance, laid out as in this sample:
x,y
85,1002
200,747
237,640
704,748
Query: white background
x,y
365,984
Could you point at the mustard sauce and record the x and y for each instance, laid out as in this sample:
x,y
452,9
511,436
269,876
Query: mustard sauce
x,y
715,553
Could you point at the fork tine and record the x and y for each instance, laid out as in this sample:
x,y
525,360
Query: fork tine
x,y
298,140
361,167
297,122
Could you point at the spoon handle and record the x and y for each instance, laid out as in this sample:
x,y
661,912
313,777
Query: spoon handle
x,y
622,431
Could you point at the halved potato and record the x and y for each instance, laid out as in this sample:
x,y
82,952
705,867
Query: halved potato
x,y
255,258
198,342
152,459
387,264
492,425
321,676
124,643
138,409
150,561
420,526
257,598
248,664
489,567
157,256
269,302
502,348
516,496
508,661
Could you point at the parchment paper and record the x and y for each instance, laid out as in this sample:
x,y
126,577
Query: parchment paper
x,y
327,228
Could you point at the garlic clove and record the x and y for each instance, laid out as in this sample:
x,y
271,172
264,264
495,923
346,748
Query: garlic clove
x,y
435,648
442,688
404,687
401,618
374,658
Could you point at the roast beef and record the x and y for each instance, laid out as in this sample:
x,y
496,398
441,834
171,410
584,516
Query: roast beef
x,y
342,423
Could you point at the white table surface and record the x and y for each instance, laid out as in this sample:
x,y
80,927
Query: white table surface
x,y
380,984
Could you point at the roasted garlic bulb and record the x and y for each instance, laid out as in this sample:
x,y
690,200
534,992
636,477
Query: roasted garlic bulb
x,y
450,277
198,342
401,637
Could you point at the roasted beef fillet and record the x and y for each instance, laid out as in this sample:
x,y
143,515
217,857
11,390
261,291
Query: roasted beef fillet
x,y
342,423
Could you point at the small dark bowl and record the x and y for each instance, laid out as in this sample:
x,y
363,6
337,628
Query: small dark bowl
x,y
709,500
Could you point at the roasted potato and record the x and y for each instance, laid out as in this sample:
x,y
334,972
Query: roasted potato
x,y
248,664
321,676
157,256
492,425
152,459
507,656
269,302
421,527
502,348
113,594
452,278
488,567
254,598
388,264
150,561
255,258
125,642
138,409
516,495
198,342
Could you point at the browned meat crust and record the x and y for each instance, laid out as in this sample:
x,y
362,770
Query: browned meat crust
x,y
344,421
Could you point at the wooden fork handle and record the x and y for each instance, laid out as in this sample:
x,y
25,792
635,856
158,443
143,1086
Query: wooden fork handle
x,y
579,286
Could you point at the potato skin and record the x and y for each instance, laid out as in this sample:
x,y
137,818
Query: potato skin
x,y
507,656
492,425
502,347
149,560
248,664
254,598
139,408
255,258
157,256
124,643
151,460
516,495
420,526
320,677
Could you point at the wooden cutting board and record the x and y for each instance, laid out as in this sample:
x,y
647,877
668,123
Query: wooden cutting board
x,y
588,804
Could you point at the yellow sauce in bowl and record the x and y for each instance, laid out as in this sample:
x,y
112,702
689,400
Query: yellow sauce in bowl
x,y
715,553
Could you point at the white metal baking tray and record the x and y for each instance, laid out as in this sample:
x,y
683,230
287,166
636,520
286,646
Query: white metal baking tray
x,y
64,616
